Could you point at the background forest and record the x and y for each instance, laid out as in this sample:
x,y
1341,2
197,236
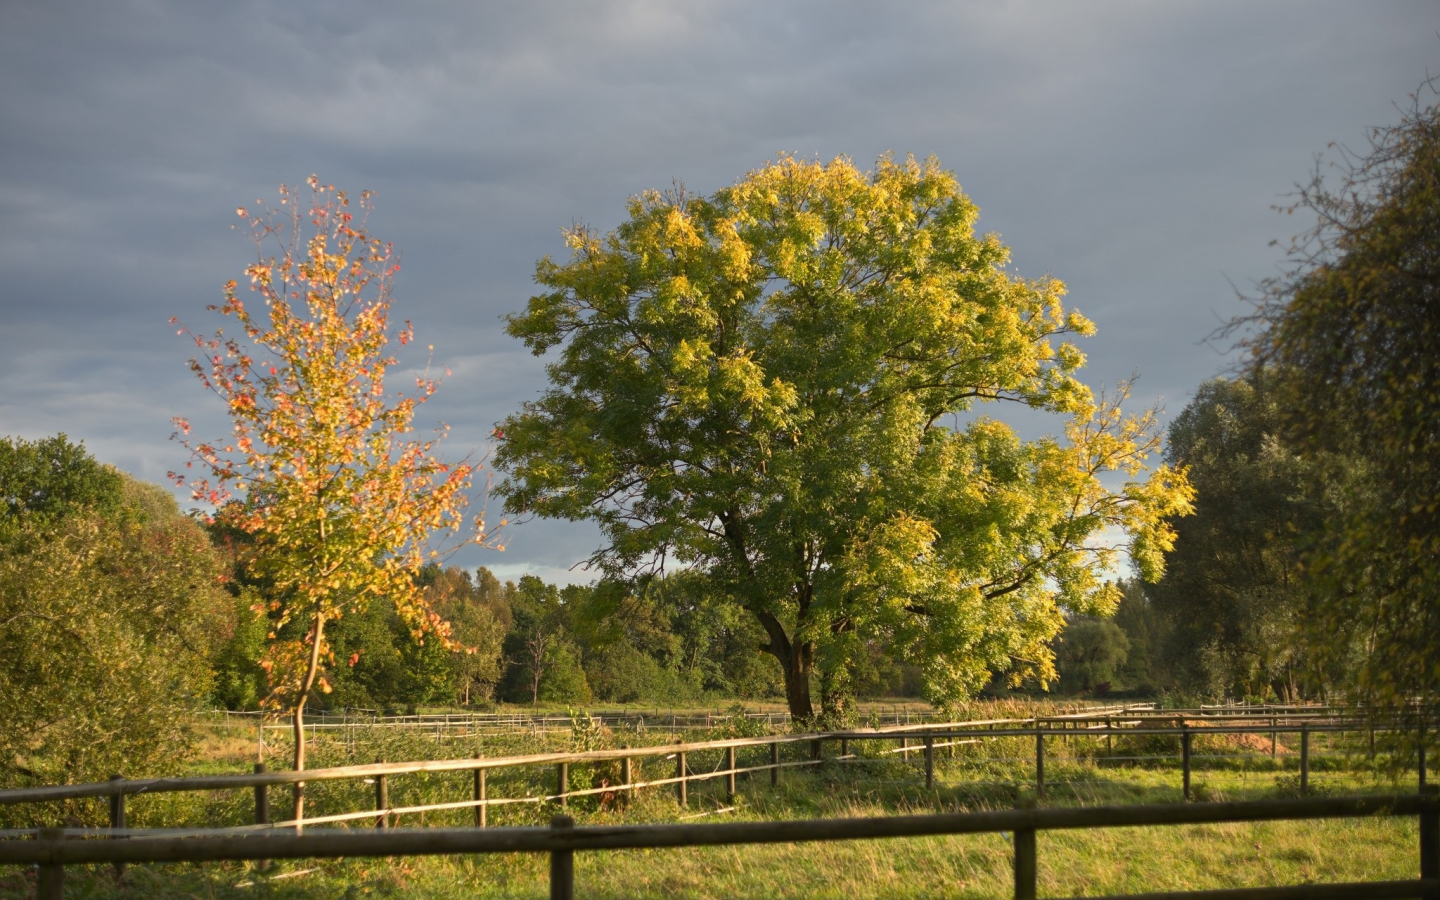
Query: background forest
x,y
1220,623
112,599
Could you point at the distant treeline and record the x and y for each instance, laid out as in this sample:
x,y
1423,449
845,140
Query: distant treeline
x,y
1225,620
528,641
112,599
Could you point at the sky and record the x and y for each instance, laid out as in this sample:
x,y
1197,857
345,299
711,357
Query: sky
x,y
1136,151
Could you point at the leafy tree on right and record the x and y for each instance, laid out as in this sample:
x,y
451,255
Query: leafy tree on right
x,y
1234,593
1352,328
775,386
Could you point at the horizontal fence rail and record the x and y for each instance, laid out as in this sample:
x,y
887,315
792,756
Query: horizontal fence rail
x,y
53,851
451,725
524,722
921,739
370,770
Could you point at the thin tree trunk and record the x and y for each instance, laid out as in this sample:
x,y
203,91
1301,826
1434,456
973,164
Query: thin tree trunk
x,y
535,682
312,671
538,646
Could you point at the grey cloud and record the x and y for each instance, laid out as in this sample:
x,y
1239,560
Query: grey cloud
x,y
1132,150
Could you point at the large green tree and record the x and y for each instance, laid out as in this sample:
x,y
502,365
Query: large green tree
x,y
1355,322
774,385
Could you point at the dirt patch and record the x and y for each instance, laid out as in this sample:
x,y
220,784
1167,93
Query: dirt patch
x,y
1259,743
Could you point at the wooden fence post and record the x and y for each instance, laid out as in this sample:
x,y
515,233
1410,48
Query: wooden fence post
x,y
480,789
774,763
730,777
1304,757
1025,861
1039,763
681,792
262,798
262,811
562,863
929,761
1185,758
562,784
1110,735
1430,839
50,880
1272,737
382,801
117,818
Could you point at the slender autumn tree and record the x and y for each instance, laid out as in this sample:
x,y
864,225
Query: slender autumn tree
x,y
321,470
774,386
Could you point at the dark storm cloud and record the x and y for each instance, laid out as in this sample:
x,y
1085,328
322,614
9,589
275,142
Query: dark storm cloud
x,y
1132,150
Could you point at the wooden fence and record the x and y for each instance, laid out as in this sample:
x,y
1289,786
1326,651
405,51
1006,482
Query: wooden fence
x,y
51,852
518,722
927,739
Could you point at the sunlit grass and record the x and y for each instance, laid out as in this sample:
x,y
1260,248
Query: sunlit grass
x,y
976,777
1071,863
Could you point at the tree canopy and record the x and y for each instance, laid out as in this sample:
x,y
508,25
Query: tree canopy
x,y
1353,324
775,385
46,478
1091,653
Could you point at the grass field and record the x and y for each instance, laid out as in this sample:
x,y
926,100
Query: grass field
x,y
977,778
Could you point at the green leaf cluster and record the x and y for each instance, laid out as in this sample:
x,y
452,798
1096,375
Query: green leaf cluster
x,y
1090,655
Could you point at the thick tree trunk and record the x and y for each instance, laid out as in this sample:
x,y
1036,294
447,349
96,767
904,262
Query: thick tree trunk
x,y
797,685
797,661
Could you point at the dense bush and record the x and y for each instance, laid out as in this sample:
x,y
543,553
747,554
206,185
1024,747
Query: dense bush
x,y
110,607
